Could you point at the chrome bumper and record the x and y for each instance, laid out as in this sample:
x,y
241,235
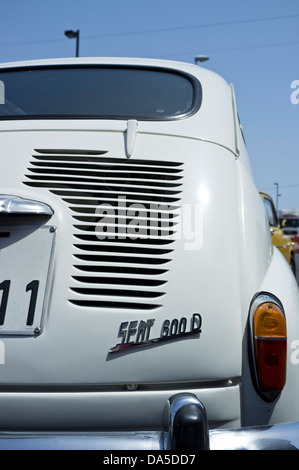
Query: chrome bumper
x,y
185,430
276,437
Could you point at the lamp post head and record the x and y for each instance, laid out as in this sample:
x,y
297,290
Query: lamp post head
x,y
200,58
71,34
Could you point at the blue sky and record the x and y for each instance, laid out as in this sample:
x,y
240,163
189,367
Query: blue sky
x,y
254,45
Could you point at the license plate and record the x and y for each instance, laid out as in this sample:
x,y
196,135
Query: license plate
x,y
25,258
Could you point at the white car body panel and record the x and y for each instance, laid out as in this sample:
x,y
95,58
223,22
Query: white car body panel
x,y
214,268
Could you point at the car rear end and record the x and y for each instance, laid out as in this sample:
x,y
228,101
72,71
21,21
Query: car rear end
x,y
120,248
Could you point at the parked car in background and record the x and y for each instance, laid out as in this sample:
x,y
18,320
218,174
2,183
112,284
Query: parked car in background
x,y
279,238
290,225
143,304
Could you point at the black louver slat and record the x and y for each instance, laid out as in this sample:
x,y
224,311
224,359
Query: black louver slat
x,y
117,269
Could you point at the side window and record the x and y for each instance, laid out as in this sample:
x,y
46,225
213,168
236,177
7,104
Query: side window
x,y
270,212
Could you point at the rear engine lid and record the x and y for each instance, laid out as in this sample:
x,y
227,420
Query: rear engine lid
x,y
138,282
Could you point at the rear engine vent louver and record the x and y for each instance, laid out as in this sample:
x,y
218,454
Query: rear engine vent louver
x,y
124,214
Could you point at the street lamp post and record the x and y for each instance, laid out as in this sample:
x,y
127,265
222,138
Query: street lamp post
x,y
74,34
277,195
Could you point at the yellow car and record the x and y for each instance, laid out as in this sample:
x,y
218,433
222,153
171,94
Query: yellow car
x,y
279,238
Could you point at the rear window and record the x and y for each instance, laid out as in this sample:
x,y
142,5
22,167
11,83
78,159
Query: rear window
x,y
98,92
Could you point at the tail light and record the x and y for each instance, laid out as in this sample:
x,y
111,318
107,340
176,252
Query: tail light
x,y
269,340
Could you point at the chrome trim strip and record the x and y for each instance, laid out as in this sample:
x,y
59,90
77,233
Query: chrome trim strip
x,y
82,441
15,205
236,121
277,437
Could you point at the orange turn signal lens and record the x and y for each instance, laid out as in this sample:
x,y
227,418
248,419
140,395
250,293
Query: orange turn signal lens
x,y
270,347
269,321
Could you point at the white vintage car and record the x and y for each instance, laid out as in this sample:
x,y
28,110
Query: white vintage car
x,y
128,319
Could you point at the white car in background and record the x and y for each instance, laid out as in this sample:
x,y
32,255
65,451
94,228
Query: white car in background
x,y
128,320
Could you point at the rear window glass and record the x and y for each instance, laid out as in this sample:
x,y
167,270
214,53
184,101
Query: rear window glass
x,y
98,92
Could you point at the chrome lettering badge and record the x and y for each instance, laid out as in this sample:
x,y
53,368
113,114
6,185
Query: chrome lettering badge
x,y
137,333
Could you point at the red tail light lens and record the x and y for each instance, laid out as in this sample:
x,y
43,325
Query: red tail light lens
x,y
270,347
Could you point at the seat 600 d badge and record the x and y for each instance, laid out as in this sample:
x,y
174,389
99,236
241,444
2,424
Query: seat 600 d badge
x,y
137,333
